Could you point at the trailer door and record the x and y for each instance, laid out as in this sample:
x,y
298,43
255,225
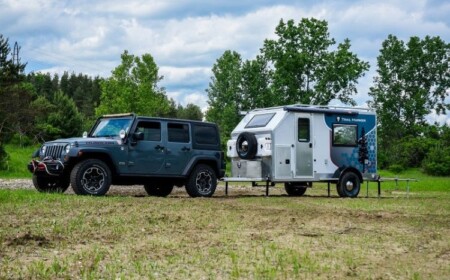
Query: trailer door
x,y
304,147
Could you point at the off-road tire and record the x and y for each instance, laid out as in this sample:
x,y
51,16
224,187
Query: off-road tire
x,y
349,185
252,145
295,189
91,177
158,190
202,181
51,184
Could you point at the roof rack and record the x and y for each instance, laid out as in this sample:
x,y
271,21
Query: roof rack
x,y
318,108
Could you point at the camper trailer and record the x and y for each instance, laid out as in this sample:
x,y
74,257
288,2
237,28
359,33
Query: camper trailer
x,y
301,144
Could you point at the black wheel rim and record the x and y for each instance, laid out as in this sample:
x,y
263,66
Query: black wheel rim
x,y
93,179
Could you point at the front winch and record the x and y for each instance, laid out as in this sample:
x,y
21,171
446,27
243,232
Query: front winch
x,y
48,165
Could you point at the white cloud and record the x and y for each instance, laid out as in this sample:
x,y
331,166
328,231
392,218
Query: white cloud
x,y
186,38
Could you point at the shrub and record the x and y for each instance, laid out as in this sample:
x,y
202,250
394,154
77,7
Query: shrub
x,y
3,159
437,161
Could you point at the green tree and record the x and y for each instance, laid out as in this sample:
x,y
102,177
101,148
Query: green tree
x,y
190,112
15,97
57,119
256,82
306,70
225,93
413,80
133,87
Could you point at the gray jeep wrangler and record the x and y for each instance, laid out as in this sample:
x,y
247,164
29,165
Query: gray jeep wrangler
x,y
127,149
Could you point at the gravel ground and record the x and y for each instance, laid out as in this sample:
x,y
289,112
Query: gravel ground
x,y
235,189
16,184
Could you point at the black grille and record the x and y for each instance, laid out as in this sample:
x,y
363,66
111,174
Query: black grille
x,y
54,151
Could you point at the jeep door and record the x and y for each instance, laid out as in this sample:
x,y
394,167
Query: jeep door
x,y
179,147
146,156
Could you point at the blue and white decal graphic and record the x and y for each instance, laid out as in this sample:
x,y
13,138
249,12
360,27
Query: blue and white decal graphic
x,y
361,154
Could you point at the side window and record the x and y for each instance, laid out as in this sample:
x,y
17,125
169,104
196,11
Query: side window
x,y
345,135
151,130
303,130
205,135
178,132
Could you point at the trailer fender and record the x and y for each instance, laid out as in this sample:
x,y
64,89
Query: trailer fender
x,y
344,169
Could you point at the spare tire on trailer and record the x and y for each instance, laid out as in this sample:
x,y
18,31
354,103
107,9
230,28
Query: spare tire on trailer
x,y
246,145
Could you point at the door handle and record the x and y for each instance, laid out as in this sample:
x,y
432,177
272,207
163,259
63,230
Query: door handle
x,y
185,149
310,145
158,147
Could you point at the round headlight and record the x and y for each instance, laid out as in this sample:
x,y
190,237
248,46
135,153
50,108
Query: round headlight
x,y
43,149
68,146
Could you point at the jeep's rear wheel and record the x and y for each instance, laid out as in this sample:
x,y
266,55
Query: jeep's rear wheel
x,y
158,190
202,182
91,177
51,184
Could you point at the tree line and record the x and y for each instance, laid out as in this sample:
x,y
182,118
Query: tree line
x,y
37,107
302,64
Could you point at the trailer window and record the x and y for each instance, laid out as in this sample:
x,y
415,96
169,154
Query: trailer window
x,y
260,120
345,135
303,130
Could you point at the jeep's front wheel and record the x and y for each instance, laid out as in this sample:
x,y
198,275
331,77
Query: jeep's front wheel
x,y
202,182
91,177
158,190
51,184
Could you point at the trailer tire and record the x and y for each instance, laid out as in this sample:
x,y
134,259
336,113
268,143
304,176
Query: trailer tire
x,y
349,185
295,189
158,190
246,145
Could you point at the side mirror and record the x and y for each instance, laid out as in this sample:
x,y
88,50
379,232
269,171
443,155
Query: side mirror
x,y
122,134
85,134
138,136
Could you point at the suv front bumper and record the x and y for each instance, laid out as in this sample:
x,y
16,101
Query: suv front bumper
x,y
49,167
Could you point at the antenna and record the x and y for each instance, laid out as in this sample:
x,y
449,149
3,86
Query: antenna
x,y
15,58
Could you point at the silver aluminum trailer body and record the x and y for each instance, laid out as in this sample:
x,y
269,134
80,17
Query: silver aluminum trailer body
x,y
301,144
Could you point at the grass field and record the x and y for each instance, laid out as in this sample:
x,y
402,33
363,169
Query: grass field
x,y
245,235
17,161
128,235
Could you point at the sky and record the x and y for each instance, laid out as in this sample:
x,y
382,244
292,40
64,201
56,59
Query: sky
x,y
187,37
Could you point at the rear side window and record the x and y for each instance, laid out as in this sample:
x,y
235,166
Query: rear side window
x,y
205,135
178,132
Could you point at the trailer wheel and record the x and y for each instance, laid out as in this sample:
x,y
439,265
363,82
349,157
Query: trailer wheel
x,y
246,145
202,182
51,184
295,189
91,177
349,185
158,190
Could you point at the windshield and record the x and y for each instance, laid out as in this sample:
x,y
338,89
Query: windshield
x,y
111,127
